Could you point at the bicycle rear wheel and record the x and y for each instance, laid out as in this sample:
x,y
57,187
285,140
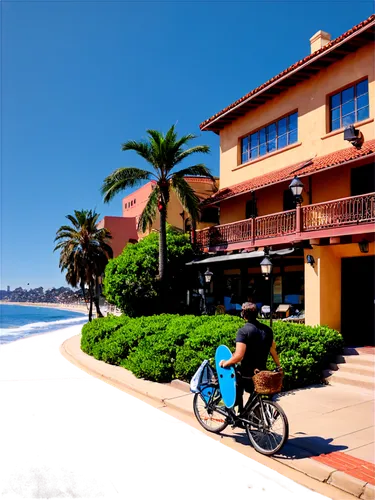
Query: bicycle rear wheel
x,y
207,416
269,429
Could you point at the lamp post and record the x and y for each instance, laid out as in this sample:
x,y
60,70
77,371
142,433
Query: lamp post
x,y
296,186
208,276
266,268
207,279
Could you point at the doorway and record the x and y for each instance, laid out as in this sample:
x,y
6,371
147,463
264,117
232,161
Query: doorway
x,y
357,301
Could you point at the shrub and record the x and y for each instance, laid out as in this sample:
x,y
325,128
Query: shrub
x,y
167,346
131,279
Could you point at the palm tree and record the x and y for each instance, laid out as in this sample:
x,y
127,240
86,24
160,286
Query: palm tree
x,y
164,153
84,253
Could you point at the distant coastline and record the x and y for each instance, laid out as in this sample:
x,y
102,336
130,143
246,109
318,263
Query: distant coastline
x,y
68,307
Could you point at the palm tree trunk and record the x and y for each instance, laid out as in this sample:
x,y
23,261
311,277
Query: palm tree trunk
x,y
83,292
97,297
91,301
163,250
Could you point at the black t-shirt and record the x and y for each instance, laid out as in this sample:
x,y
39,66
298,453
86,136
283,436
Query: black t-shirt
x,y
258,339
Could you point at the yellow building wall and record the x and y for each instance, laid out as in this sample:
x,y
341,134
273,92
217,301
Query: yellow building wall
x,y
331,184
323,283
310,98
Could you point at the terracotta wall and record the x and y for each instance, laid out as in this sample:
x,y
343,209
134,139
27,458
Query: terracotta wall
x,y
310,98
122,230
136,201
202,187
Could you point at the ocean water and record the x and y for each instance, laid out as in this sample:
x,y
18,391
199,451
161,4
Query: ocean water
x,y
17,322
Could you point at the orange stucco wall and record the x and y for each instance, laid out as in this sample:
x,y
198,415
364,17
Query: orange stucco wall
x,y
136,201
122,230
202,187
310,98
331,184
323,283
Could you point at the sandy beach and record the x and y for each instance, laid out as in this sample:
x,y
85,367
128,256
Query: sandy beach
x,y
68,307
50,338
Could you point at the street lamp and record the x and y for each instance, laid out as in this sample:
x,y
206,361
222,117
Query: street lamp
x,y
296,186
207,280
208,276
266,268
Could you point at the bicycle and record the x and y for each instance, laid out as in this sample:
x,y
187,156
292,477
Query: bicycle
x,y
264,420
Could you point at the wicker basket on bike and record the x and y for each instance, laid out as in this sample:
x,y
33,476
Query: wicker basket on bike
x,y
266,382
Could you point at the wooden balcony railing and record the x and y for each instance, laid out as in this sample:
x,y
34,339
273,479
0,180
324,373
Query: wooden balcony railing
x,y
292,223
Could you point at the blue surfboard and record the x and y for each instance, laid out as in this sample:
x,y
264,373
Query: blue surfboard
x,y
226,376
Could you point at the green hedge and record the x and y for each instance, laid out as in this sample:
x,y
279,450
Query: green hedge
x,y
165,347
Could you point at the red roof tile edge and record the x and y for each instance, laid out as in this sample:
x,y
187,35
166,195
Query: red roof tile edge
x,y
291,68
301,169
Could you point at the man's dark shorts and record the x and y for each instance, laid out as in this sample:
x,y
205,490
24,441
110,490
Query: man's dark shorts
x,y
243,384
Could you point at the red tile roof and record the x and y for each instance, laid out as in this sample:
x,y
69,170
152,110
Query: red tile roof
x,y
301,169
294,66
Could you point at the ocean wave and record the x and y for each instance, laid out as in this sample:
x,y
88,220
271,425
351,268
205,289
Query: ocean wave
x,y
41,326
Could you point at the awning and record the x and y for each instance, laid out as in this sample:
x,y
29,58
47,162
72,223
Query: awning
x,y
246,255
226,258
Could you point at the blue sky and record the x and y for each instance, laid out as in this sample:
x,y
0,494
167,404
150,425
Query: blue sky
x,y
80,78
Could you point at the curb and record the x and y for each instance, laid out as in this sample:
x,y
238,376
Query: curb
x,y
177,398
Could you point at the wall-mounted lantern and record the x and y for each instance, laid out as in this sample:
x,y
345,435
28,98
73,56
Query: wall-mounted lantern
x,y
354,136
310,260
363,246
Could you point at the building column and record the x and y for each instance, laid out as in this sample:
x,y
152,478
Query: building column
x,y
323,288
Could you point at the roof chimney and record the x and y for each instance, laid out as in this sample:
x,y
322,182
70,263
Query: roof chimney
x,y
318,40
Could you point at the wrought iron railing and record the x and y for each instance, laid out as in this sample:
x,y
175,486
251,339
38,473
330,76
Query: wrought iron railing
x,y
270,226
331,214
353,210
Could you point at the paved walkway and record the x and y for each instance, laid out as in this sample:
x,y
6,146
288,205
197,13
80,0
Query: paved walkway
x,y
331,427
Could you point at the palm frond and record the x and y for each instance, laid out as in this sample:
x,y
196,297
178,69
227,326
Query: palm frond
x,y
182,155
121,179
184,140
156,139
200,169
143,148
149,212
73,220
185,193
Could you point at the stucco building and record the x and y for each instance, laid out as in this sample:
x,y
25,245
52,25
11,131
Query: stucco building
x,y
295,124
204,187
124,229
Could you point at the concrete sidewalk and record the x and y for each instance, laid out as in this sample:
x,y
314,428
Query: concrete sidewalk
x,y
331,428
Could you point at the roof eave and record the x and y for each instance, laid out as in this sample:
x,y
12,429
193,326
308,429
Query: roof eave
x,y
290,177
210,125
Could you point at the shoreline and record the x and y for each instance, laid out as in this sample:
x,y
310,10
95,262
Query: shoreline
x,y
51,305
56,336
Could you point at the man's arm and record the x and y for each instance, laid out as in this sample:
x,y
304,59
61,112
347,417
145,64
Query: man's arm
x,y
274,354
237,356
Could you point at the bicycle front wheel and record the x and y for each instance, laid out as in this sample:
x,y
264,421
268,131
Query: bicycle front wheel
x,y
269,428
207,416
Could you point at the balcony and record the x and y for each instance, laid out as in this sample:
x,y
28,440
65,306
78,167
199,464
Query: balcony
x,y
346,216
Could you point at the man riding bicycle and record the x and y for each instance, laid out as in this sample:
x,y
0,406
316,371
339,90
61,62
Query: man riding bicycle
x,y
254,341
